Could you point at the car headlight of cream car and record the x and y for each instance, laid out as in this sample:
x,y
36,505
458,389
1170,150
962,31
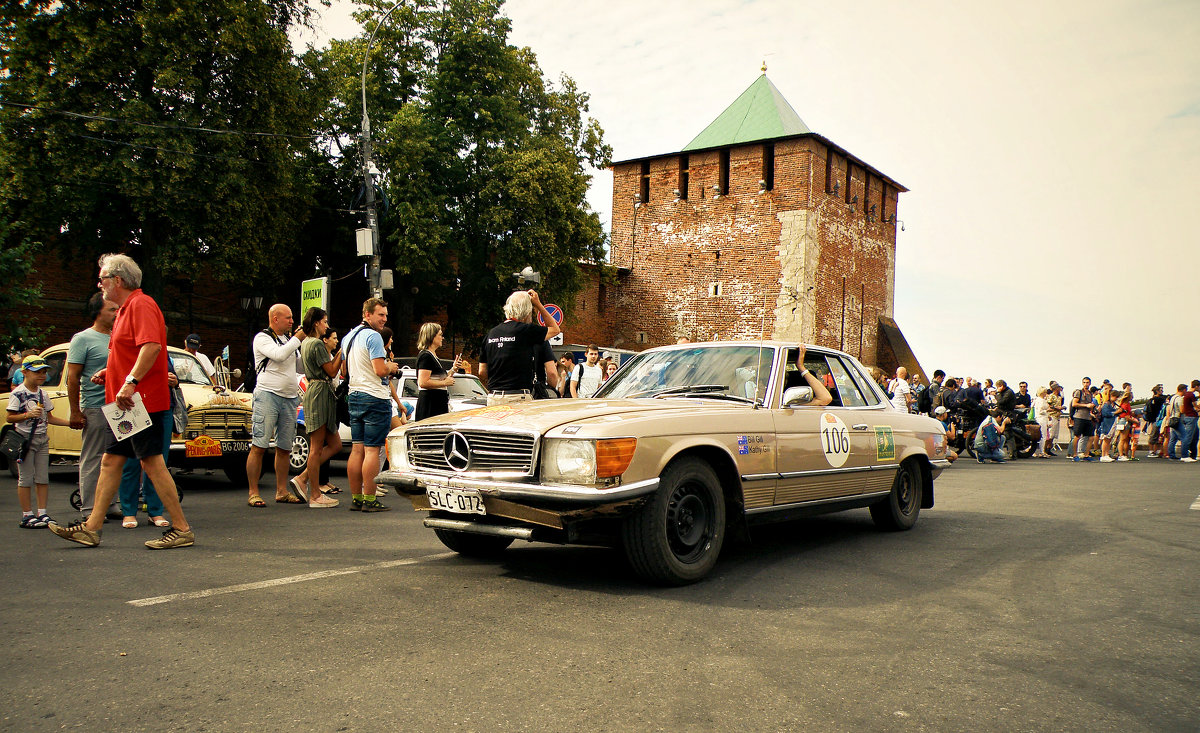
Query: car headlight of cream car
x,y
590,462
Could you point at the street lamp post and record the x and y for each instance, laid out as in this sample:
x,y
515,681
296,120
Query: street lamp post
x,y
375,273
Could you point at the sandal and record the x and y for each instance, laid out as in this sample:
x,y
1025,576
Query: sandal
x,y
256,501
129,522
330,489
29,522
289,499
160,521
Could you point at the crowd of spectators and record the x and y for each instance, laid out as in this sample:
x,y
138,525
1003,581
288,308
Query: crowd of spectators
x,y
1103,422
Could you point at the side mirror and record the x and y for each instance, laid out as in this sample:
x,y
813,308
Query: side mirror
x,y
796,396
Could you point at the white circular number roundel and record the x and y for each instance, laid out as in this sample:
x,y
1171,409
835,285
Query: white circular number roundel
x,y
835,439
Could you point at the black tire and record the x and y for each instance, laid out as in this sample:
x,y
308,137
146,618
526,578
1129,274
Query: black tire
x,y
675,538
235,471
902,506
298,459
76,500
482,546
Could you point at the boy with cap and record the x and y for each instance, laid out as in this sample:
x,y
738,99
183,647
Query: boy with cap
x,y
29,407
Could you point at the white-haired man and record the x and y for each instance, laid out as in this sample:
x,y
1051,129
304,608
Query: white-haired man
x,y
137,364
510,350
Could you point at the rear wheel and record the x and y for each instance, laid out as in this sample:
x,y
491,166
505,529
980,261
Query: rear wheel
x,y
902,506
473,545
676,537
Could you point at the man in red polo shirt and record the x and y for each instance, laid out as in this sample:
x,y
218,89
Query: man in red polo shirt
x,y
137,363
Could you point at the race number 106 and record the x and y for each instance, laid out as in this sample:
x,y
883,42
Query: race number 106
x,y
836,440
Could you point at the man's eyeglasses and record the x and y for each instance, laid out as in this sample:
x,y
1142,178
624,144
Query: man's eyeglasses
x,y
107,277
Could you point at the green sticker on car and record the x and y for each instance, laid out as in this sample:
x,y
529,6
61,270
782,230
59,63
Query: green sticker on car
x,y
885,444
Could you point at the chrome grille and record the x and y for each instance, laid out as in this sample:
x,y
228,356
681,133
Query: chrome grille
x,y
219,424
489,451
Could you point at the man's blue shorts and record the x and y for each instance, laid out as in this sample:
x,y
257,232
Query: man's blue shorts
x,y
370,419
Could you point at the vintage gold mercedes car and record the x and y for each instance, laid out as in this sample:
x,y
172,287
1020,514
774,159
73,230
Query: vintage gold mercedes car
x,y
683,446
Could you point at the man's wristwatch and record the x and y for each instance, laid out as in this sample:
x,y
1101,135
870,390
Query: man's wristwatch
x,y
129,379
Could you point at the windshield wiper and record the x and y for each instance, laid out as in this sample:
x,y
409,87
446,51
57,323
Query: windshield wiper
x,y
690,389
720,396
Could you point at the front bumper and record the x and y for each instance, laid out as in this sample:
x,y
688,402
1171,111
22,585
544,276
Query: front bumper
x,y
411,482
937,466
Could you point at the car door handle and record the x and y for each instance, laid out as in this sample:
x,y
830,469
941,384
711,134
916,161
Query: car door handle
x,y
861,426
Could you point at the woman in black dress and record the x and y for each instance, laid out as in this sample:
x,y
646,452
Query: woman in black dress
x,y
432,379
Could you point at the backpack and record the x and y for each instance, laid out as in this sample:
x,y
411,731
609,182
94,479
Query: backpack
x,y
925,401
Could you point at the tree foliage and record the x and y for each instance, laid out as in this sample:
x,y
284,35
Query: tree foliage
x,y
484,163
127,127
188,134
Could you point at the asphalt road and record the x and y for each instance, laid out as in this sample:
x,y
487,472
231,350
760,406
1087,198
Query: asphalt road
x,y
1039,595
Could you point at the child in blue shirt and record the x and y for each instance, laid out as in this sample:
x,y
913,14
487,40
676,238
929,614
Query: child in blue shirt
x,y
29,408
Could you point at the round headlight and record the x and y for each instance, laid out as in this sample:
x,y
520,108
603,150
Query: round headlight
x,y
570,461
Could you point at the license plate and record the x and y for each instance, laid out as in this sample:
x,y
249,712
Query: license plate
x,y
459,501
235,446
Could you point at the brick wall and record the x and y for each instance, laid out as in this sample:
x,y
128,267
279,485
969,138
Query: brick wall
x,y
68,281
807,259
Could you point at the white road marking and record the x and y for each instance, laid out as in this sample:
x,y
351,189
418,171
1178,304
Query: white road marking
x,y
1196,503
284,581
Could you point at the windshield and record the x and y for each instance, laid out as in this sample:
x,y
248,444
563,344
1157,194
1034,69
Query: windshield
x,y
188,369
465,388
736,371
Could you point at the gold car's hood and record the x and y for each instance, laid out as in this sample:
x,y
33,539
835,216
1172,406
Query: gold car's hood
x,y
541,416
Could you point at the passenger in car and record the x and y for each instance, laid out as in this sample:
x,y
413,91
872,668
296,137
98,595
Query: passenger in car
x,y
821,395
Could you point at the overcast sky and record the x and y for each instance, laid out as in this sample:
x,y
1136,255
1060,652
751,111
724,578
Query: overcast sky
x,y
1051,151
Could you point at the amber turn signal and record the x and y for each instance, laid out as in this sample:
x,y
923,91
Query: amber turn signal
x,y
613,456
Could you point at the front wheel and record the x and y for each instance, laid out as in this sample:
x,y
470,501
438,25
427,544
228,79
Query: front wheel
x,y
902,506
298,459
235,471
482,546
676,537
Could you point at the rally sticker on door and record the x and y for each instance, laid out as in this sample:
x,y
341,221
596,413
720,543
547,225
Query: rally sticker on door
x,y
835,439
885,443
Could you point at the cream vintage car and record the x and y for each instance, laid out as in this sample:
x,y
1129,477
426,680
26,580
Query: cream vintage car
x,y
683,446
218,429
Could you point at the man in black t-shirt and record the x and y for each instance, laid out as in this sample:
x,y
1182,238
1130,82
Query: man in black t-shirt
x,y
1152,429
512,349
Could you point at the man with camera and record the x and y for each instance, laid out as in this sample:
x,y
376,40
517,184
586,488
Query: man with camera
x,y
511,350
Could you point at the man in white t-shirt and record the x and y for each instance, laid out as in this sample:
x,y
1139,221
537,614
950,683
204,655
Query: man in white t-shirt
x,y
901,392
276,397
192,345
370,403
588,375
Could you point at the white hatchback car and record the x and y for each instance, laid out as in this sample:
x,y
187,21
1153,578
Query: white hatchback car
x,y
466,393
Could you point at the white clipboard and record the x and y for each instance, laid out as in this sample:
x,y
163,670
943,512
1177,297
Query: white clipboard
x,y
125,423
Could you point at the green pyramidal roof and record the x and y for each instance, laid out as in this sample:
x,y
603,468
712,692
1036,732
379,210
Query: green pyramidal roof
x,y
760,113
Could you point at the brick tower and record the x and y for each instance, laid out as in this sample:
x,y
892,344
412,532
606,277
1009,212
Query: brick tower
x,y
759,225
